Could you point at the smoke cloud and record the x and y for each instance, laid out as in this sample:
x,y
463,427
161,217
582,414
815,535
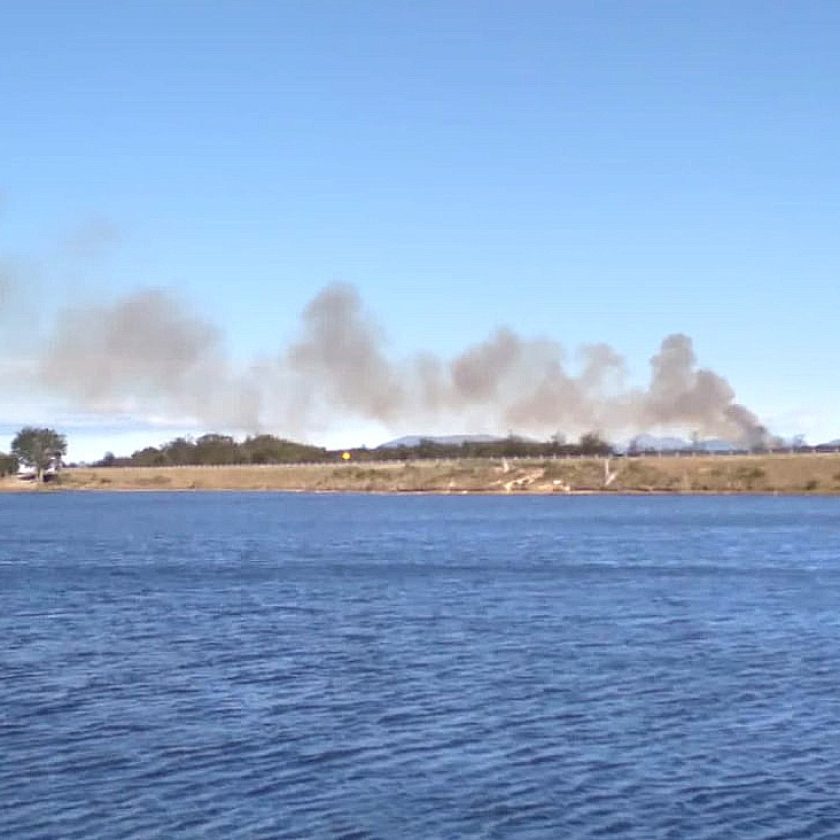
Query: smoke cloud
x,y
147,353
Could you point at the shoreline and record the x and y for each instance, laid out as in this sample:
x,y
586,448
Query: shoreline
x,y
804,494
800,475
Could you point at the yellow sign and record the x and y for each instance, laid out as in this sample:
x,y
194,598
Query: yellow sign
x,y
346,456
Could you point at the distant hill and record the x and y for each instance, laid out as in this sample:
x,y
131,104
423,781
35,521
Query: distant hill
x,y
831,443
716,445
445,440
644,443
652,443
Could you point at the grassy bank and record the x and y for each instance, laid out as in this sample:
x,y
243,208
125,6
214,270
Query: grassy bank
x,y
737,474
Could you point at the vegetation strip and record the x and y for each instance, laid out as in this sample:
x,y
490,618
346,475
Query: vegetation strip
x,y
702,474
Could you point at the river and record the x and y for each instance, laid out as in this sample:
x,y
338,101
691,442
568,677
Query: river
x,y
285,666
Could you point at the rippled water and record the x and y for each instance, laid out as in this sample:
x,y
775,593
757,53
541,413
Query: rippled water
x,y
388,667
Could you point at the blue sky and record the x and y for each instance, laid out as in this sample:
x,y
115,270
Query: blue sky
x,y
608,171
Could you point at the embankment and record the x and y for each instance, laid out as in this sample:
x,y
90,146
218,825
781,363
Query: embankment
x,y
812,473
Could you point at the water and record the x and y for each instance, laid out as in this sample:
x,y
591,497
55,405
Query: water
x,y
433,667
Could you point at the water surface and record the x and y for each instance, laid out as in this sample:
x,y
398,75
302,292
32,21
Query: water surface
x,y
272,665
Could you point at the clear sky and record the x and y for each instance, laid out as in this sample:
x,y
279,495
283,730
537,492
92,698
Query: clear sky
x,y
610,171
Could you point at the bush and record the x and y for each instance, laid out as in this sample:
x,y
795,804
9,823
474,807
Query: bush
x,y
749,476
8,464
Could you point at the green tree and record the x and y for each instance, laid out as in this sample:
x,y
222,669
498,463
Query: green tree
x,y
38,448
8,464
180,452
593,444
148,457
216,449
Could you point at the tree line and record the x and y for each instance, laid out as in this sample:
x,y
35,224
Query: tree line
x,y
510,447
41,450
220,450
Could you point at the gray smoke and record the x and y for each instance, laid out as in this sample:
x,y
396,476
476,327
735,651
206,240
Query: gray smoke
x,y
146,353
681,392
341,354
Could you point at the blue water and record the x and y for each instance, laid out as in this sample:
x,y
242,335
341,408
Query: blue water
x,y
271,665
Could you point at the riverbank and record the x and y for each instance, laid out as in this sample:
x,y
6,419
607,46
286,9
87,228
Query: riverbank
x,y
813,473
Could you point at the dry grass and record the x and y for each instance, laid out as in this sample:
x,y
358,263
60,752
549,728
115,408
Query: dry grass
x,y
742,474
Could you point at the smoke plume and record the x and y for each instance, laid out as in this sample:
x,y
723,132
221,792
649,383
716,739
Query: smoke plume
x,y
147,353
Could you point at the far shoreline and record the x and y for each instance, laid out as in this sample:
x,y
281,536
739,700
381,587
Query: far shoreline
x,y
702,475
803,494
